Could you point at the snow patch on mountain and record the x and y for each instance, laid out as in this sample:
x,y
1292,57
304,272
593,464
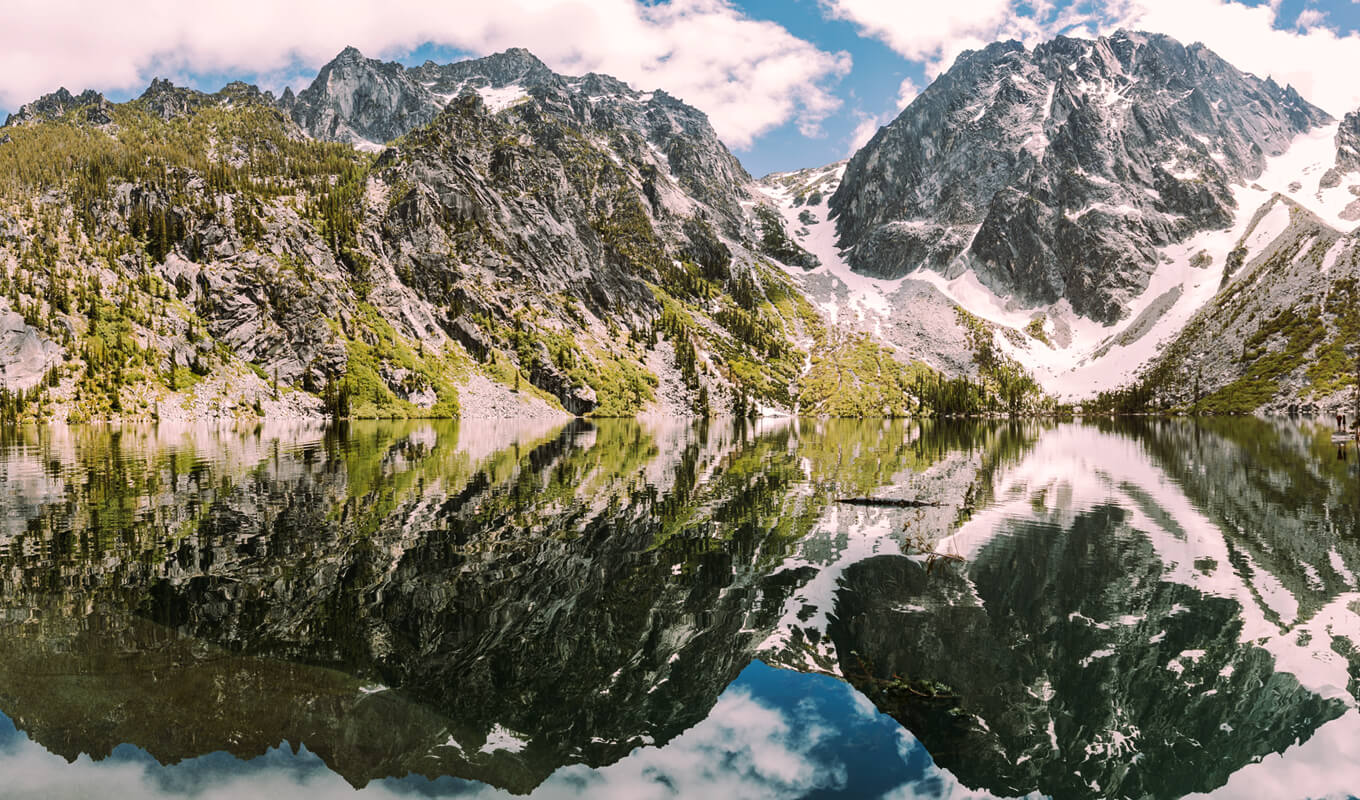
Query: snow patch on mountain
x,y
1104,357
811,227
499,99
1080,356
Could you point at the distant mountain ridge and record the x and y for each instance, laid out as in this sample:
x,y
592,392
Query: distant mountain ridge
x,y
1056,173
523,229
1038,224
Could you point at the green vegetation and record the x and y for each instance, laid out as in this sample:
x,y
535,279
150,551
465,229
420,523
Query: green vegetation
x,y
1035,329
1331,369
860,378
1004,387
160,182
1300,332
1282,345
775,242
378,356
144,189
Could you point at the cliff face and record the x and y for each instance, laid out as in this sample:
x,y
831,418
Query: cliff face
x,y
1057,173
589,244
491,238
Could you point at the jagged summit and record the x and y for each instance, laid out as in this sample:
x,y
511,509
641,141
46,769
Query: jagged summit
x,y
89,105
367,102
1056,173
167,101
515,66
362,101
1083,198
1348,143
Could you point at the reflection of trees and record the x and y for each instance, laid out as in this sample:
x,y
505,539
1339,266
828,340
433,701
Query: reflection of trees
x,y
584,591
1276,490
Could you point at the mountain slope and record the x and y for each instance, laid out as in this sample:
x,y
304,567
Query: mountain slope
x,y
1280,331
582,245
1056,174
1253,157
489,237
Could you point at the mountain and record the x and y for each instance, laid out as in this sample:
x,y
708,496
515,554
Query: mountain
x,y
1347,149
1057,173
529,243
1279,332
89,106
489,237
367,102
361,101
1277,336
1089,213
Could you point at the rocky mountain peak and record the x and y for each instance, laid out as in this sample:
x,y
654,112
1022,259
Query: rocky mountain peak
x,y
362,101
1348,143
167,101
89,106
1056,173
514,67
240,93
350,54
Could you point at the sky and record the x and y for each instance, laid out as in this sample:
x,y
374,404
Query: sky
x,y
786,83
772,733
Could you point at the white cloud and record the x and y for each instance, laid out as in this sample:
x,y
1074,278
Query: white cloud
x,y
744,748
864,130
1310,18
748,75
1307,54
1314,60
867,124
936,33
906,93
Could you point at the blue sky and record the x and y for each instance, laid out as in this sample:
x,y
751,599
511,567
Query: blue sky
x,y
772,733
787,83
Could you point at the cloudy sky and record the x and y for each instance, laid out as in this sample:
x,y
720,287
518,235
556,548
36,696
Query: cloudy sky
x,y
772,734
787,83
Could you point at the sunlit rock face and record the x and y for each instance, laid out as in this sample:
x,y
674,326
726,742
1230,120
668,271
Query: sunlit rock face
x,y
1057,172
362,101
1348,143
464,197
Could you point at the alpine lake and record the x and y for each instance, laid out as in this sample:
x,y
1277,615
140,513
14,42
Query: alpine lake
x,y
623,609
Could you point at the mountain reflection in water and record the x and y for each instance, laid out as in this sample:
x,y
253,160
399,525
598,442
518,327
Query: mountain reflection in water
x,y
613,608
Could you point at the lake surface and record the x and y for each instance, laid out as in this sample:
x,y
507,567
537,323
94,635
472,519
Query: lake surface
x,y
632,610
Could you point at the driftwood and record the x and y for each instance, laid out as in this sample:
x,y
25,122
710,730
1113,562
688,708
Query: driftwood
x,y
884,501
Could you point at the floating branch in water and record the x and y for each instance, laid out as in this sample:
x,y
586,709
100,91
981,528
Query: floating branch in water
x,y
884,501
934,558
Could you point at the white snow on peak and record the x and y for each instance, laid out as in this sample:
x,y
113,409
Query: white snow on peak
x,y
498,100
1089,356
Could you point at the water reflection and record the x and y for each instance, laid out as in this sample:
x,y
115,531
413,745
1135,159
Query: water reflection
x,y
1136,610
